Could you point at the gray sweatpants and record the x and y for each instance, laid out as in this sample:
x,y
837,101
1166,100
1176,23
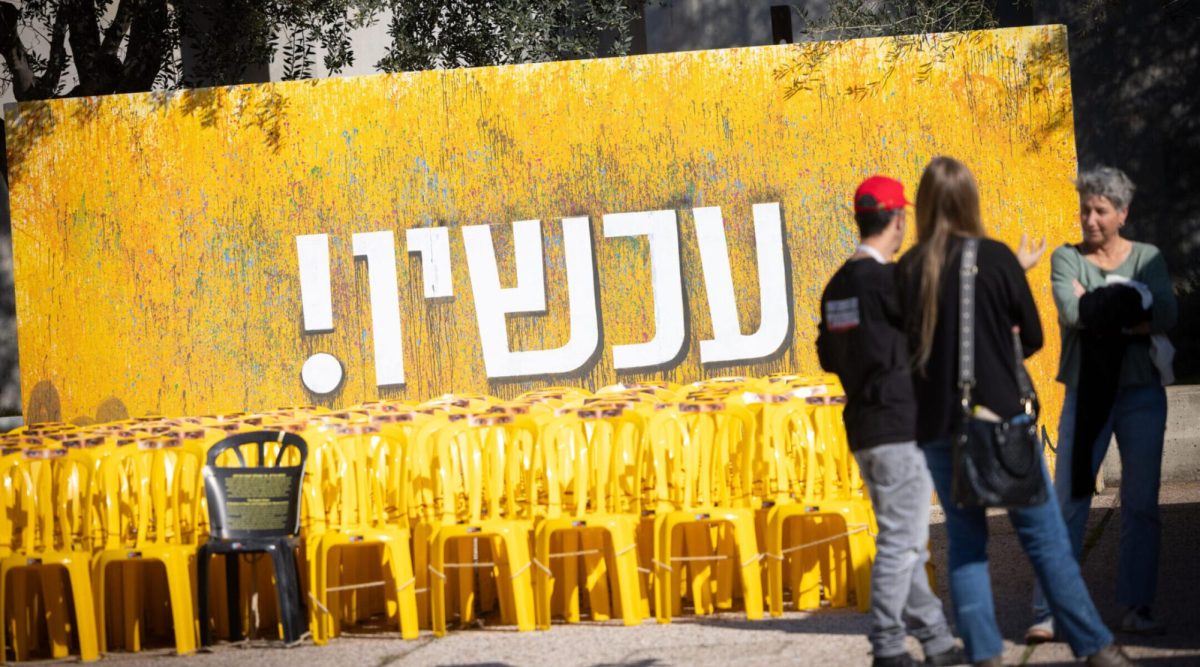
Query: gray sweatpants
x,y
901,491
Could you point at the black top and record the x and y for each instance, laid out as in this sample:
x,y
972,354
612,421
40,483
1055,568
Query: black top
x,y
860,339
1002,301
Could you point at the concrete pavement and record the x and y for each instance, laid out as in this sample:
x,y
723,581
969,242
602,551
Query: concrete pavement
x,y
828,638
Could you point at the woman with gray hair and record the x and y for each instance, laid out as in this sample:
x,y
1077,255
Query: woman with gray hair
x,y
1114,304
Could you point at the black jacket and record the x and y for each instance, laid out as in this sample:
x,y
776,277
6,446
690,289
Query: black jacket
x,y
860,339
1003,300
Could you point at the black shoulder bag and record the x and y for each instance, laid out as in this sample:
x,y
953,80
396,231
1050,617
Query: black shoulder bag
x,y
996,463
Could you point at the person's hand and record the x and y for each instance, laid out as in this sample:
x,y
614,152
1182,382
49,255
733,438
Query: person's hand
x,y
1028,254
1079,291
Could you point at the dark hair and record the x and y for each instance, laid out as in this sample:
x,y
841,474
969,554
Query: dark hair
x,y
871,223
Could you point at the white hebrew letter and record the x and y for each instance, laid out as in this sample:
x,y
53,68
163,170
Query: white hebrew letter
x,y
492,302
433,244
662,234
312,255
728,343
379,248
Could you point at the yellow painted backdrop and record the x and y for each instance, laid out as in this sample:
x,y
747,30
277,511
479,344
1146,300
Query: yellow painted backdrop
x,y
154,234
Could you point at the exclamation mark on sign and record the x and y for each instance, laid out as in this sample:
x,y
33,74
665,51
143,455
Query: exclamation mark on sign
x,y
322,372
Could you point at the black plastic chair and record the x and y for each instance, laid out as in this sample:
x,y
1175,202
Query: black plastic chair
x,y
254,509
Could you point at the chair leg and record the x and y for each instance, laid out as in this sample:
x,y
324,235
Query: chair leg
x,y
420,550
437,586
747,561
595,569
399,563
202,594
287,594
663,571
316,615
775,559
233,596
179,588
516,546
624,543
85,621
543,594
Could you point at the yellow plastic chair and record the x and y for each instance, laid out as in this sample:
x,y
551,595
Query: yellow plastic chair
x,y
806,487
144,519
588,461
46,493
481,467
368,464
693,448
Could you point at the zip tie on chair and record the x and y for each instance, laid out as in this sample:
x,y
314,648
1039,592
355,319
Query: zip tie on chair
x,y
406,584
521,571
319,605
537,563
434,571
692,558
661,565
646,571
626,550
467,566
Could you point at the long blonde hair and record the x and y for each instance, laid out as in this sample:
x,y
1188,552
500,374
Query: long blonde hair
x,y
947,205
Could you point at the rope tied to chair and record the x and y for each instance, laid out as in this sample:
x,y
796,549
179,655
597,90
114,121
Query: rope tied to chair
x,y
833,538
541,566
568,554
322,608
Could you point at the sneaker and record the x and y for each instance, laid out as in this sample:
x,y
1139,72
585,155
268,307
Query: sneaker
x,y
1110,656
1040,632
1138,621
951,656
902,660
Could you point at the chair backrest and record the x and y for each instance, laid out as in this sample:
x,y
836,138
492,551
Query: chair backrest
x,y
244,501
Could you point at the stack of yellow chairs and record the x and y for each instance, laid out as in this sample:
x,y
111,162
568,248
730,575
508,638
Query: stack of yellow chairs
x,y
589,498
640,499
814,498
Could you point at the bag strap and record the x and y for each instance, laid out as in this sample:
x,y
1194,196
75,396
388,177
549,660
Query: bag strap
x,y
966,320
966,332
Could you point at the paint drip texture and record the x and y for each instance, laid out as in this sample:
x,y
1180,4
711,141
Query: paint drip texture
x,y
155,235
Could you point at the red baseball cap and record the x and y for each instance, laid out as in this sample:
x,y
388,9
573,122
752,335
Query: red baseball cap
x,y
879,193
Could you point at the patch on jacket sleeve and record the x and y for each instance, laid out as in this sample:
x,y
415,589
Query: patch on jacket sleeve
x,y
841,315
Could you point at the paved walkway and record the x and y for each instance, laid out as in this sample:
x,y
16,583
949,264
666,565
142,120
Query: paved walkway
x,y
827,638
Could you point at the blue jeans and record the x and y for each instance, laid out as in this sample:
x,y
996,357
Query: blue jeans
x,y
1043,536
1139,420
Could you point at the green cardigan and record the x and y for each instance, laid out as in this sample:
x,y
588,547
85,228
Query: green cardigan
x,y
1145,264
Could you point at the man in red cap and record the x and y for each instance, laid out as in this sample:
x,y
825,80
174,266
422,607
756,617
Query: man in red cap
x,y
861,340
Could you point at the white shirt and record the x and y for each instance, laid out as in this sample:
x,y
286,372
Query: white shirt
x,y
872,252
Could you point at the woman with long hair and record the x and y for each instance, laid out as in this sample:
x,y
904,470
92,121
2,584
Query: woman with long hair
x,y
928,281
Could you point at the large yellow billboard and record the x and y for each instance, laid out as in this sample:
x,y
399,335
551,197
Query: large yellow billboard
x,y
497,229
